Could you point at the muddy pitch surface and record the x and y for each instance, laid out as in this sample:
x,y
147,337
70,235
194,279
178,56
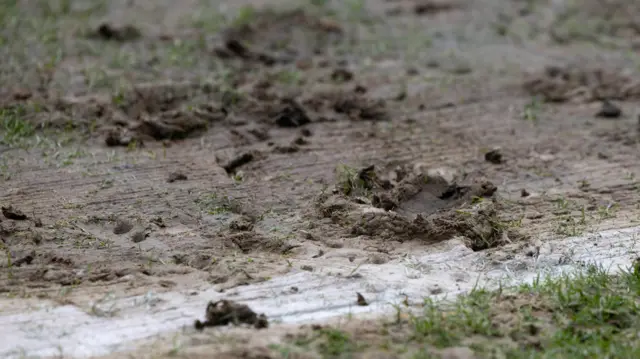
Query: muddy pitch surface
x,y
149,146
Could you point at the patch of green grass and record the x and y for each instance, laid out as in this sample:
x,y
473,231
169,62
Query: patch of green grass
x,y
214,205
14,128
350,181
329,343
290,77
588,315
532,110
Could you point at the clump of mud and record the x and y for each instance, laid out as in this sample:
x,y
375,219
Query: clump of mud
x,y
331,105
271,108
154,111
615,20
172,111
413,204
225,312
110,32
270,36
560,84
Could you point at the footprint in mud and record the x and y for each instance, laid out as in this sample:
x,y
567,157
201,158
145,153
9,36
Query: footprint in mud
x,y
416,205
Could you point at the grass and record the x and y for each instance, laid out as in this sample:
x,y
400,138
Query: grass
x,y
589,315
213,204
349,181
13,126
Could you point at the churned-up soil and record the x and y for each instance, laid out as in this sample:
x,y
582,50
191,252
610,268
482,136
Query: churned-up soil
x,y
171,146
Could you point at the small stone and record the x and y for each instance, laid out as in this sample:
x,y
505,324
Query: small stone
x,y
524,193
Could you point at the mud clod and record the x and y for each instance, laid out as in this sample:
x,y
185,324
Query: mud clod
x,y
300,141
170,125
360,300
122,227
279,37
234,48
609,110
225,312
115,33
291,115
427,7
479,225
292,148
560,84
12,213
242,159
22,94
341,75
121,137
25,260
524,193
361,108
241,224
494,156
176,176
139,236
383,201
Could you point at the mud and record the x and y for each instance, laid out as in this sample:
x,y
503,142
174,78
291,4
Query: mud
x,y
417,205
233,145
559,84
176,176
13,213
266,38
116,33
609,110
226,312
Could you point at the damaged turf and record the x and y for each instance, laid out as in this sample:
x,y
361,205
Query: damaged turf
x,y
560,84
415,205
267,39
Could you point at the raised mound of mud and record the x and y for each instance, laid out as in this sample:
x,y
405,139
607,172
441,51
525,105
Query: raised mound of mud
x,y
177,110
410,204
571,83
279,37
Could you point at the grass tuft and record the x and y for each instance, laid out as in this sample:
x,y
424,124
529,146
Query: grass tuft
x,y
588,315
